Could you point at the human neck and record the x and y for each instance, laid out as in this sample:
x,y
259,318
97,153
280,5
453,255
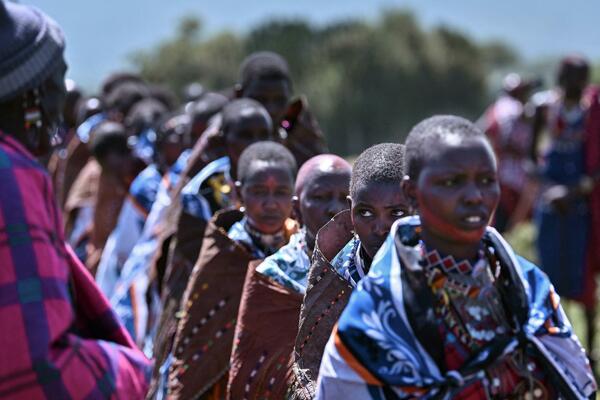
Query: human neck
x,y
458,250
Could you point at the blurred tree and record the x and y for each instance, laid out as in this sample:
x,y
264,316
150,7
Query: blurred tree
x,y
367,82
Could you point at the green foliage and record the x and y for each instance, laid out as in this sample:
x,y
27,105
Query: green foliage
x,y
366,82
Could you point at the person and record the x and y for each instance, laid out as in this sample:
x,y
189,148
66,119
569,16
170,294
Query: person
x,y
265,77
509,128
96,198
447,309
61,339
565,242
172,138
273,291
344,252
199,360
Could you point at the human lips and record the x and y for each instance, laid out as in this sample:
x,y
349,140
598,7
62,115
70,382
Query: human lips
x,y
476,220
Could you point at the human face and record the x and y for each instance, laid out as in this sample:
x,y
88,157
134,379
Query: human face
x,y
373,211
322,197
273,94
456,194
245,131
266,195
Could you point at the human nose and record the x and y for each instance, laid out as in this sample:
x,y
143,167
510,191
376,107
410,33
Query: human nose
x,y
473,194
335,206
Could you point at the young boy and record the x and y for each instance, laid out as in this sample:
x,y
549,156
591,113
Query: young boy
x,y
376,201
200,354
447,308
273,291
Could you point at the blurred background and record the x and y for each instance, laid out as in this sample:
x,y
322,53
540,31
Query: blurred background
x,y
370,70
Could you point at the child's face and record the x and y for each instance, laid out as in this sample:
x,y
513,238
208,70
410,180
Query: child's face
x,y
456,193
373,210
323,196
244,132
273,94
267,196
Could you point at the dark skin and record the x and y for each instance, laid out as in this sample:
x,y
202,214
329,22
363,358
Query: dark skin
x,y
251,127
322,196
374,208
273,94
456,194
53,95
266,195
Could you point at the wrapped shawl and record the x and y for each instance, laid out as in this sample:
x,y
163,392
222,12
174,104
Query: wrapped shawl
x,y
261,357
64,340
375,353
326,296
209,310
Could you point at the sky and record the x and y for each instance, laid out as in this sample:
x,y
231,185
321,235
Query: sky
x,y
101,34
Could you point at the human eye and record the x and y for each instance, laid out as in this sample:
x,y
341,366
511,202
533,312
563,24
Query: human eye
x,y
365,213
488,180
398,213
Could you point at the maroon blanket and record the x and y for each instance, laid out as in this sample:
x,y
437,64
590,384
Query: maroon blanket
x,y
264,339
326,297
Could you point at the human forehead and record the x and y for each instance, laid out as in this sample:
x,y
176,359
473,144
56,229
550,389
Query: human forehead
x,y
455,152
384,194
327,180
263,171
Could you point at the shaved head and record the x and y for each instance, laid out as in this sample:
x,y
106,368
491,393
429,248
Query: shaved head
x,y
322,186
317,165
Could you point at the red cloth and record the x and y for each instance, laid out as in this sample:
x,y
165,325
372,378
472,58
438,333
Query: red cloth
x,y
60,339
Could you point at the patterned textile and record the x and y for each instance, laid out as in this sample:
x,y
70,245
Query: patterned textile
x,y
349,263
377,349
327,294
207,318
209,191
260,245
261,356
60,338
289,265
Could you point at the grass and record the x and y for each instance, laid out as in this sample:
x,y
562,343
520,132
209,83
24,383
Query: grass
x,y
522,238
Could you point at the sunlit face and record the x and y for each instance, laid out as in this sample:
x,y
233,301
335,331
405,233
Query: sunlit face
x,y
322,197
456,193
374,209
248,129
273,94
266,195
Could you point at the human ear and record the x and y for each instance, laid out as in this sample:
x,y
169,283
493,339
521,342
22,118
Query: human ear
x,y
237,91
296,209
409,188
238,191
349,200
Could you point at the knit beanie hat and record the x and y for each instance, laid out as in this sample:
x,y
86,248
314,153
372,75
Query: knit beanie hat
x,y
31,48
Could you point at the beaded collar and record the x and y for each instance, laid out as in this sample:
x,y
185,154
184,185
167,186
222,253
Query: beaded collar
x,y
433,260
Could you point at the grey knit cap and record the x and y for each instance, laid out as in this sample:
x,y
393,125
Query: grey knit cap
x,y
31,48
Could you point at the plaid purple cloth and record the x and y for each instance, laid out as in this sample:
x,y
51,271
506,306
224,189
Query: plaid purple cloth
x,y
58,336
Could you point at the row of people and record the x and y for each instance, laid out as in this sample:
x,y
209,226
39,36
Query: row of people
x,y
232,254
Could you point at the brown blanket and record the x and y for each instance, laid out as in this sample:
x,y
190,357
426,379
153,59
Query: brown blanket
x,y
326,297
264,339
208,312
